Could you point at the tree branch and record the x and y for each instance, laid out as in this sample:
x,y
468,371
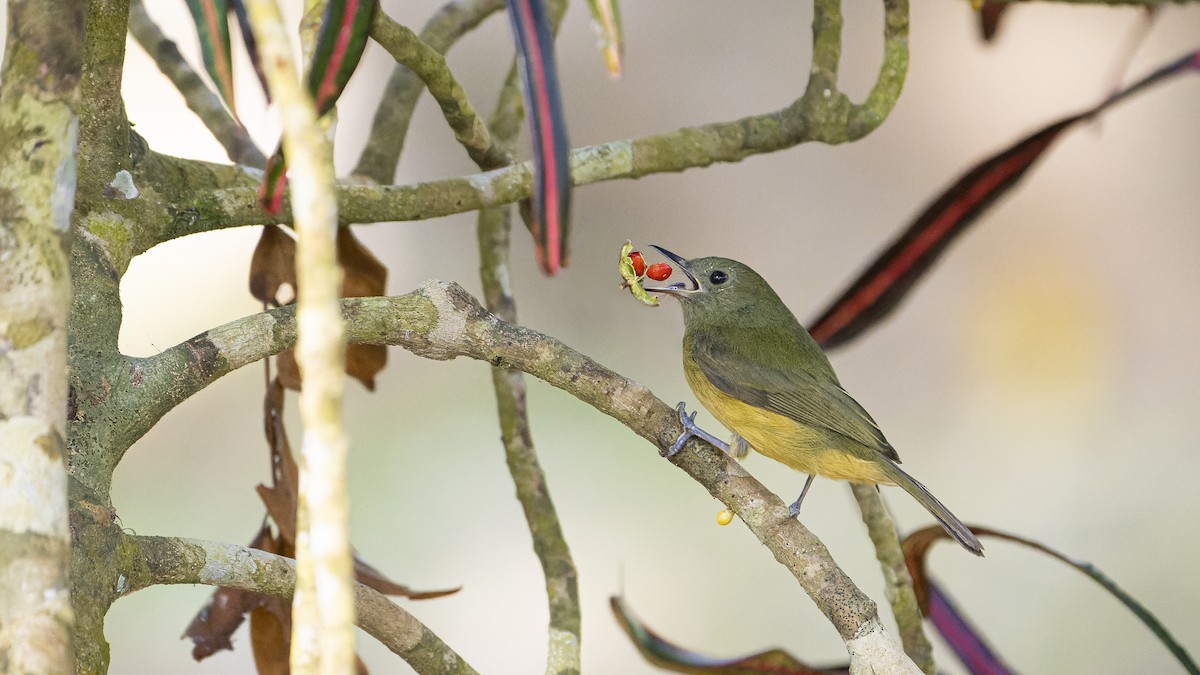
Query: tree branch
x,y
442,321
430,66
173,560
385,142
898,584
199,98
493,229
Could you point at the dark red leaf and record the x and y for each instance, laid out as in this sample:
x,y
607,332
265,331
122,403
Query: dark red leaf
x,y
917,545
274,183
989,18
551,204
879,290
666,655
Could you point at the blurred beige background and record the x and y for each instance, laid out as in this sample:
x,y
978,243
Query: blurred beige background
x,y
1043,380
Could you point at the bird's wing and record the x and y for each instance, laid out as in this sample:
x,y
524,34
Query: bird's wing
x,y
787,390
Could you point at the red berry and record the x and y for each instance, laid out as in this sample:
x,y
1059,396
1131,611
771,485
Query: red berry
x,y
639,263
659,271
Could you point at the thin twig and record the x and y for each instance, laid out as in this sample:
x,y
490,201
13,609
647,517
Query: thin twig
x,y
199,98
898,585
389,128
430,66
323,610
562,586
175,560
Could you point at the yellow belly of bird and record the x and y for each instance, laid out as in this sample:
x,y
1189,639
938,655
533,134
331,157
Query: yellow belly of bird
x,y
781,438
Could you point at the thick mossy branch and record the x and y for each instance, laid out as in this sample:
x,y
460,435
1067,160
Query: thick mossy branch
x,y
898,585
169,560
442,321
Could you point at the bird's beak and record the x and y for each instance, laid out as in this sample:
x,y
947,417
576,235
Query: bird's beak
x,y
678,289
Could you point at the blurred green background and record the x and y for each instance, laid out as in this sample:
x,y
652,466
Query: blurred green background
x,y
1043,380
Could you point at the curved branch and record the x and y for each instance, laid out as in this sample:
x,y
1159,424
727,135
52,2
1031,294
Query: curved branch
x,y
430,66
442,321
173,560
385,142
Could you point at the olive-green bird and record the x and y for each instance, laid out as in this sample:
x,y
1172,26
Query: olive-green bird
x,y
761,374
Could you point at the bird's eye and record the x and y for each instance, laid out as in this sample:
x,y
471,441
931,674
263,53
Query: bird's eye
x,y
718,277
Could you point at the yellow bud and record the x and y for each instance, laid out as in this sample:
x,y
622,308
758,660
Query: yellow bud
x,y
725,517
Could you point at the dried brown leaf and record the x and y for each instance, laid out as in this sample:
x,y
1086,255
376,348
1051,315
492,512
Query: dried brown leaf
x,y
365,276
273,265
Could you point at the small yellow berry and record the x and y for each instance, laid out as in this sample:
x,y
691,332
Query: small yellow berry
x,y
725,517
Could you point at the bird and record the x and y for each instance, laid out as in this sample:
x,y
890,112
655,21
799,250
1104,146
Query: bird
x,y
758,371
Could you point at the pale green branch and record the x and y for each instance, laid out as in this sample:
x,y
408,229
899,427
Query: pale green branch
x,y
430,66
172,560
323,609
898,585
389,128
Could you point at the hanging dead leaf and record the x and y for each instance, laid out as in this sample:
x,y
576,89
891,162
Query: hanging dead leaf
x,y
273,266
363,276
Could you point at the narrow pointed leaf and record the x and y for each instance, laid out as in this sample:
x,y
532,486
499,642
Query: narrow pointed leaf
x,y
340,44
212,27
917,545
274,183
968,644
666,655
607,17
551,207
879,290
243,19
989,18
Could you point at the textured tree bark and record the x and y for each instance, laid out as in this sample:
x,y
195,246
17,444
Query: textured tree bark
x,y
39,90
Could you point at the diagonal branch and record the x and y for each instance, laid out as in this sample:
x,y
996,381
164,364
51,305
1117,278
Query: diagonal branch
x,y
898,583
442,321
390,126
199,98
430,66
173,560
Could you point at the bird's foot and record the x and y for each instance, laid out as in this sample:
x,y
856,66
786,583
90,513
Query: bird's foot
x,y
794,509
691,430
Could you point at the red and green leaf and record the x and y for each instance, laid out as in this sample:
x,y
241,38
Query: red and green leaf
x,y
212,27
669,656
274,183
551,208
607,17
880,289
340,44
965,640
243,19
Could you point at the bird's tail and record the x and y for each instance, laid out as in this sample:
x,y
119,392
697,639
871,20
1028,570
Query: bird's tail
x,y
953,526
